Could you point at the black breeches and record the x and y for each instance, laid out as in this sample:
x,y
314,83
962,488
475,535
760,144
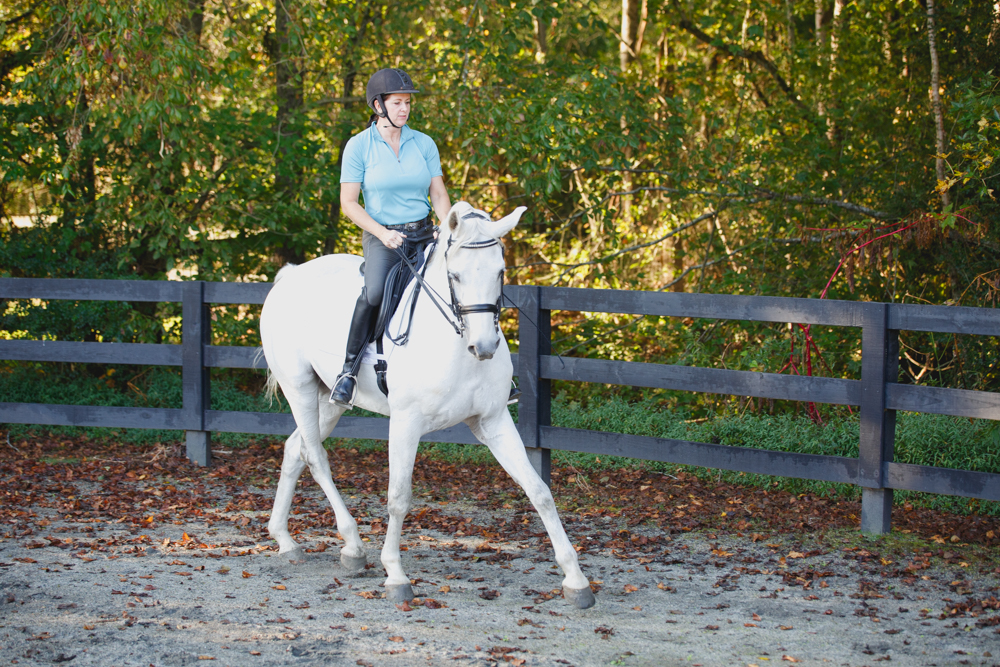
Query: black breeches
x,y
378,262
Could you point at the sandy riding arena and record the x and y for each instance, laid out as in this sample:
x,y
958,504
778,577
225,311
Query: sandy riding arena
x,y
120,555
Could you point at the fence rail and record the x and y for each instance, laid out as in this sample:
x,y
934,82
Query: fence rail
x,y
877,392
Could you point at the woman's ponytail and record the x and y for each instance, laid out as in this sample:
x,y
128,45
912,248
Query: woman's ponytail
x,y
371,120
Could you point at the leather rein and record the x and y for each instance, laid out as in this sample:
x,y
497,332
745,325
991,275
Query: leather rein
x,y
452,311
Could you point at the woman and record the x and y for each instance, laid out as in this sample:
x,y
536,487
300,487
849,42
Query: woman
x,y
399,171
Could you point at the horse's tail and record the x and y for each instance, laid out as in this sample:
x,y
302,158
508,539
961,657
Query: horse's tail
x,y
271,385
271,388
283,270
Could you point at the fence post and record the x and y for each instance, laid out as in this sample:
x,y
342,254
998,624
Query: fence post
x,y
535,407
879,365
196,332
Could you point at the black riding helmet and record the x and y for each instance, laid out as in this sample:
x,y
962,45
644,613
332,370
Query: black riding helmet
x,y
386,82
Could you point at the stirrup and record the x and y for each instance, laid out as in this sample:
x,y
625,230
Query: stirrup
x,y
345,384
515,394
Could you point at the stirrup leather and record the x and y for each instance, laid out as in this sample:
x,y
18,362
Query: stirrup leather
x,y
345,383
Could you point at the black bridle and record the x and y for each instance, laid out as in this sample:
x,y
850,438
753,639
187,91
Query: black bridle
x,y
458,311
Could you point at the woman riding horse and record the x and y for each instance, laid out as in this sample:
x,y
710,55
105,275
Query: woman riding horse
x,y
399,171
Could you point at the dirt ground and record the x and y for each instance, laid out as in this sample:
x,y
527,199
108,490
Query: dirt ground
x,y
109,556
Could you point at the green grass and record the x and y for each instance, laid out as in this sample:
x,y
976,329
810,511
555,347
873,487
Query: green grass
x,y
921,439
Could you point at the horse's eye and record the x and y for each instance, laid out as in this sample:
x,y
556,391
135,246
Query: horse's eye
x,y
454,277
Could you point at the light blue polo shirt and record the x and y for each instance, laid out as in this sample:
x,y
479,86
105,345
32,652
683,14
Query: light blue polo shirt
x,y
395,190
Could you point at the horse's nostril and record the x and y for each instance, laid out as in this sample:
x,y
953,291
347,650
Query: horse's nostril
x,y
480,354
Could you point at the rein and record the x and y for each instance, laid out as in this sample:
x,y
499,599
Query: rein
x,y
453,311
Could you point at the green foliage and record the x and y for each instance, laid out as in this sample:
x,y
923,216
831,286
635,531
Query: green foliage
x,y
742,151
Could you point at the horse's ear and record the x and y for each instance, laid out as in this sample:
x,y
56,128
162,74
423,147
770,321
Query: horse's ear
x,y
504,225
453,219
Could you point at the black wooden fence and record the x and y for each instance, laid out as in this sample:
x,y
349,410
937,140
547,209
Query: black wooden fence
x,y
877,392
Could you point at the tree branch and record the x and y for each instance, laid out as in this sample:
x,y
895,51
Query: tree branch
x,y
638,246
747,54
820,201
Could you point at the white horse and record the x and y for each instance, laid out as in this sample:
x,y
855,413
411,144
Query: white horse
x,y
436,380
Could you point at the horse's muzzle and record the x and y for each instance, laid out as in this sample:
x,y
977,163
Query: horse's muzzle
x,y
483,352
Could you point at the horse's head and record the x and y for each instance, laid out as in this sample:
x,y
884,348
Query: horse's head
x,y
475,264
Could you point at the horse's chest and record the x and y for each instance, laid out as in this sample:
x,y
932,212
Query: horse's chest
x,y
453,390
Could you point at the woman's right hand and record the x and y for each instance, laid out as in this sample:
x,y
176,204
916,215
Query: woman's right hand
x,y
391,239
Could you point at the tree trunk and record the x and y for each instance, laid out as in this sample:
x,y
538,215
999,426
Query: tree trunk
x,y
678,264
820,51
541,38
664,70
820,25
790,23
936,103
194,19
994,39
630,31
834,131
349,75
288,86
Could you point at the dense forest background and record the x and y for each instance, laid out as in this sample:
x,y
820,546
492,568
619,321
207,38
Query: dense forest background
x,y
827,149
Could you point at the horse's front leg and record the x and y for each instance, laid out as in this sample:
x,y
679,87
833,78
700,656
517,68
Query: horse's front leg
x,y
404,438
501,436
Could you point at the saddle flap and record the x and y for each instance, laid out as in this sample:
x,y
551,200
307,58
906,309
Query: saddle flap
x,y
395,285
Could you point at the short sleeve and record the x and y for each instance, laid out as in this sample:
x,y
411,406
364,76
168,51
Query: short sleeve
x,y
352,167
432,157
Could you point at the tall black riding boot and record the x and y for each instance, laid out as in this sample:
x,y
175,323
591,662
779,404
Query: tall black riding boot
x,y
362,323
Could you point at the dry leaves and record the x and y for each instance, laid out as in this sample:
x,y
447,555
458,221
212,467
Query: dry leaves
x,y
126,485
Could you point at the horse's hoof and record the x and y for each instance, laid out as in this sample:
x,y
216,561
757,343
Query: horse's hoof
x,y
295,557
399,592
353,564
581,598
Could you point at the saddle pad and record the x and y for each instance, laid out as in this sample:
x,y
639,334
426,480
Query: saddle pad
x,y
396,322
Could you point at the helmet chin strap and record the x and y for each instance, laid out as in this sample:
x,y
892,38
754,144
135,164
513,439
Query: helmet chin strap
x,y
385,112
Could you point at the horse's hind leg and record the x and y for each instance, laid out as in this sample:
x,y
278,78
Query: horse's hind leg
x,y
500,435
291,467
315,419
352,554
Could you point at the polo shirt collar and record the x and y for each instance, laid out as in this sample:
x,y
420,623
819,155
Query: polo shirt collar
x,y
405,135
